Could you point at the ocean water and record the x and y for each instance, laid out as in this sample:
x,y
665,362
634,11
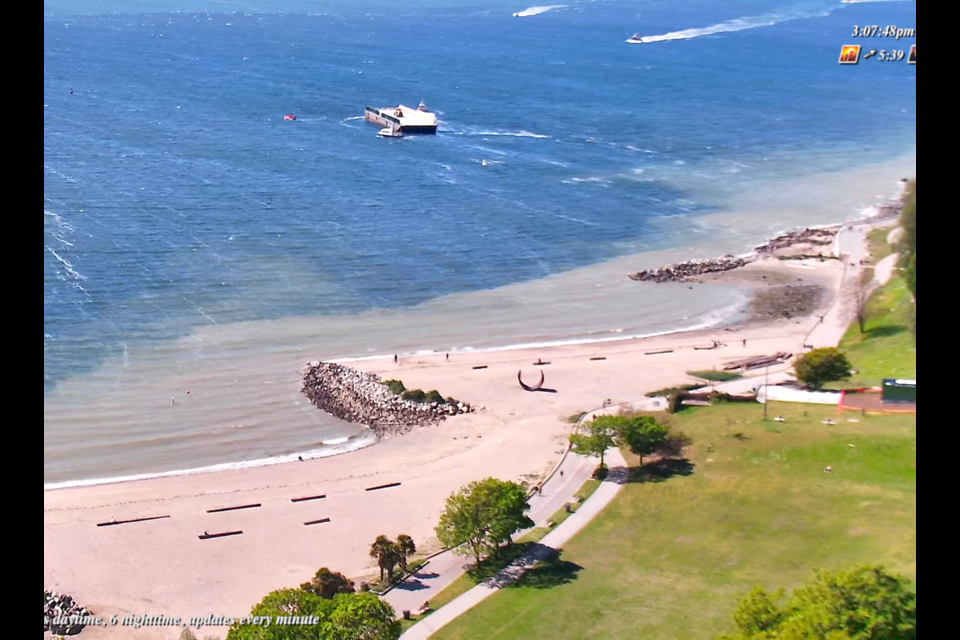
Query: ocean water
x,y
194,240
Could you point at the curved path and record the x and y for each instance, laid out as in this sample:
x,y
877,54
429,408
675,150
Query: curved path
x,y
550,544
574,470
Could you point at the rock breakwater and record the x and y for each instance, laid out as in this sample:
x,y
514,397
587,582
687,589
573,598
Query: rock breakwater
x,y
682,271
62,616
363,398
803,243
808,237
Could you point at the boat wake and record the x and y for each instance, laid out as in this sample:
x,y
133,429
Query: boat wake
x,y
489,133
535,11
738,24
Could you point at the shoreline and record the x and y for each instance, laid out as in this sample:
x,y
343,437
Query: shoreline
x,y
516,435
729,319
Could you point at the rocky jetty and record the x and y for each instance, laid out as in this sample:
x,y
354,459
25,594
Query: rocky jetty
x,y
682,271
804,243
363,398
808,237
62,616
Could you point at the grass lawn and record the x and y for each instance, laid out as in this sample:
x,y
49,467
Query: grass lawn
x,y
671,555
469,580
887,349
877,246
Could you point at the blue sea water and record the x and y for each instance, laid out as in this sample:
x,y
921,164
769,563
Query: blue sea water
x,y
177,197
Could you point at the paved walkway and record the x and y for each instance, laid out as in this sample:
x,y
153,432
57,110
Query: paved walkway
x,y
549,545
445,568
560,487
884,269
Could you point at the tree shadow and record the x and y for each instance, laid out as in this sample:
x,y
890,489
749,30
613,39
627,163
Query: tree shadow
x,y
499,561
549,573
885,331
674,446
537,565
410,584
425,575
661,470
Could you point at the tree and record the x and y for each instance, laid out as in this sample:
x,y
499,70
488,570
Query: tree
x,y
482,515
361,616
406,548
861,295
820,366
385,552
348,616
910,275
907,247
285,602
641,434
327,584
597,436
865,603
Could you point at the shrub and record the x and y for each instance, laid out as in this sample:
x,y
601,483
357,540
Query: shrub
x,y
674,401
717,397
671,390
395,386
414,395
433,396
816,368
414,566
574,418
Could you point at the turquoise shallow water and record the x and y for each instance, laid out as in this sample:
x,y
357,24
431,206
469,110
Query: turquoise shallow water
x,y
177,199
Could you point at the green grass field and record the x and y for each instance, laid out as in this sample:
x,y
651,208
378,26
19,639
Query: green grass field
x,y
877,246
670,557
887,349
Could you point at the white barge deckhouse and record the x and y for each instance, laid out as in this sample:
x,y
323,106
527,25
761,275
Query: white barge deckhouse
x,y
403,119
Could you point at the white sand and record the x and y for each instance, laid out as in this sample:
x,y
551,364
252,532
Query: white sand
x,y
161,567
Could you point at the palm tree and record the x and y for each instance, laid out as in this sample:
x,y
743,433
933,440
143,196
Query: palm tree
x,y
384,551
406,549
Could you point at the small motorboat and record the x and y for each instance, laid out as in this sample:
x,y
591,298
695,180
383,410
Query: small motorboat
x,y
483,163
636,39
390,132
289,117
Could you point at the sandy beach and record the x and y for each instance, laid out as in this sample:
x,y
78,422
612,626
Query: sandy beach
x,y
161,567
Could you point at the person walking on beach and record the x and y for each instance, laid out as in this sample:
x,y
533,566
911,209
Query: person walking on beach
x,y
396,359
448,357
744,342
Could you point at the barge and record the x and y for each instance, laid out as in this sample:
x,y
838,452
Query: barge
x,y
403,119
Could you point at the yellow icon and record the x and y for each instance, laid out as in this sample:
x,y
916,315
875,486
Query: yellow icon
x,y
850,54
